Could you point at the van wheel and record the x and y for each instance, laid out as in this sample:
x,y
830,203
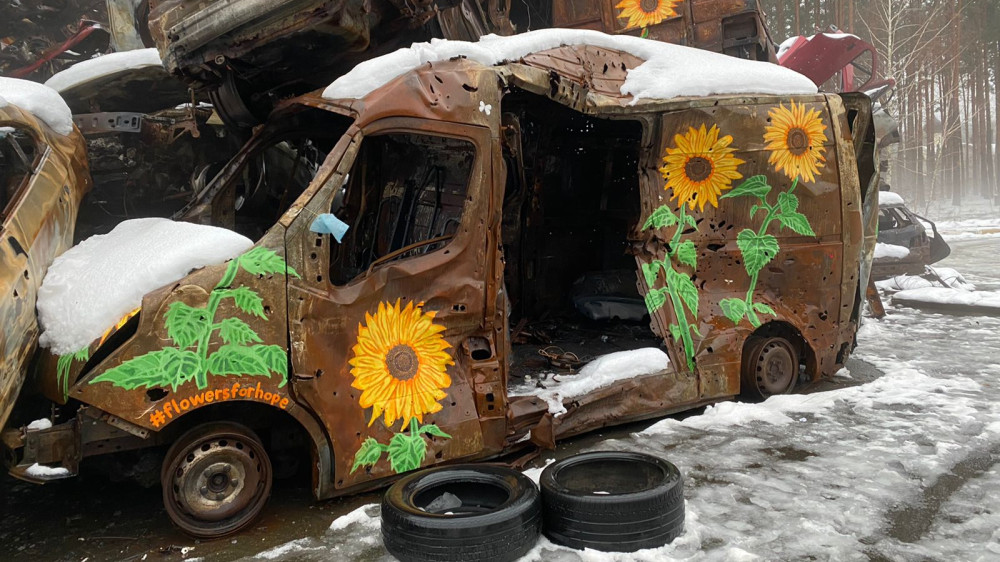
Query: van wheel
x,y
216,479
465,513
614,501
770,367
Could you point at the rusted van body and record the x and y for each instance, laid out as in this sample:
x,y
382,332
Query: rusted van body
x,y
453,206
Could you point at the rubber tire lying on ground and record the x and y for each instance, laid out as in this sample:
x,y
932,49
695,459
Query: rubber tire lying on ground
x,y
464,513
613,501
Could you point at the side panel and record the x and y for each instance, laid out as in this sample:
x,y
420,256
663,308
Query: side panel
x,y
760,238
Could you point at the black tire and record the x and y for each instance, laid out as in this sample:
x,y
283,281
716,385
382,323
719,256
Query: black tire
x,y
613,501
770,367
499,518
216,479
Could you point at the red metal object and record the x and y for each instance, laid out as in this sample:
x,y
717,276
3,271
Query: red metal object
x,y
86,28
825,55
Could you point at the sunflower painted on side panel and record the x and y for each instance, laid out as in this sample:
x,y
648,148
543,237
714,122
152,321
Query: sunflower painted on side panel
x,y
400,366
795,138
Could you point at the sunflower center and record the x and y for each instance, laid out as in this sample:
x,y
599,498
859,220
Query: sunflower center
x,y
698,168
798,141
402,362
649,6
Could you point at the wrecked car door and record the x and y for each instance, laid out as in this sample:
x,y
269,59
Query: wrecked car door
x,y
42,178
387,322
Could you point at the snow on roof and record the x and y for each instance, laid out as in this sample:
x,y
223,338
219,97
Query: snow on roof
x,y
87,70
669,71
97,282
39,100
889,198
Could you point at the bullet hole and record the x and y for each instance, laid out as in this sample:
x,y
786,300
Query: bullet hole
x,y
156,394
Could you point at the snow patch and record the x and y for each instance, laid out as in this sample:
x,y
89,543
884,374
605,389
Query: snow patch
x,y
601,372
298,545
890,251
100,280
941,295
889,198
39,100
98,67
43,423
42,471
669,71
366,515
903,283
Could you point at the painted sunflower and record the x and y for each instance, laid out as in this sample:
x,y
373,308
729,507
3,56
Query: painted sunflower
x,y
400,363
795,138
700,167
644,13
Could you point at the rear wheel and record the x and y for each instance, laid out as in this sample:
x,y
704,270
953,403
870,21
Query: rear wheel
x,y
216,479
770,367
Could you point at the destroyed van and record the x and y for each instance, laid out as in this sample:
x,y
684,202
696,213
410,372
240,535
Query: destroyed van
x,y
390,315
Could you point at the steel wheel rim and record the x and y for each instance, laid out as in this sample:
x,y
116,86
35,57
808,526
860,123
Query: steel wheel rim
x,y
775,368
220,482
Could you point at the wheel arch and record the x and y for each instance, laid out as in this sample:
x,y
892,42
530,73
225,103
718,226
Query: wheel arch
x,y
256,416
788,331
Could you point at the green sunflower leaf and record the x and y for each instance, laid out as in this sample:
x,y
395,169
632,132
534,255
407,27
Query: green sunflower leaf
x,y
434,430
756,186
369,454
247,300
676,332
186,324
687,253
406,452
661,218
275,358
797,222
650,271
757,249
686,290
764,309
263,261
734,309
179,367
238,360
690,221
143,370
788,202
238,332
655,299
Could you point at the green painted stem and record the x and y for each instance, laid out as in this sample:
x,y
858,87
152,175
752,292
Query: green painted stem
x,y
675,298
414,430
772,212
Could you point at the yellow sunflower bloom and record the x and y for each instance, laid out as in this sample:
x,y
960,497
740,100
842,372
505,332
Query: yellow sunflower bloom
x,y
795,138
400,363
700,167
644,13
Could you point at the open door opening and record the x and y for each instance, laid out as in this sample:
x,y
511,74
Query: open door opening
x,y
571,207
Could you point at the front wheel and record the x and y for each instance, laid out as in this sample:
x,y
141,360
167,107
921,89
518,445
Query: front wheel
x,y
216,479
770,367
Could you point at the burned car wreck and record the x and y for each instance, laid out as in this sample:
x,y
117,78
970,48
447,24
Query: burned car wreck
x,y
408,233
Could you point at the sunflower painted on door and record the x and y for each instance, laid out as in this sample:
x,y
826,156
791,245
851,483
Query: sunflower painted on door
x,y
644,13
400,364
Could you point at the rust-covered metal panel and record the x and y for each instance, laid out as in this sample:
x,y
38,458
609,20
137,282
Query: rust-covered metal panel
x,y
215,358
39,213
733,27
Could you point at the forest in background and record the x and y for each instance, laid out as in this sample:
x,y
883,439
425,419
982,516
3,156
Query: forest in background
x,y
945,58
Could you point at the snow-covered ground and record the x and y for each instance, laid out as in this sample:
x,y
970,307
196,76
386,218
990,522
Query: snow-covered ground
x,y
904,467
